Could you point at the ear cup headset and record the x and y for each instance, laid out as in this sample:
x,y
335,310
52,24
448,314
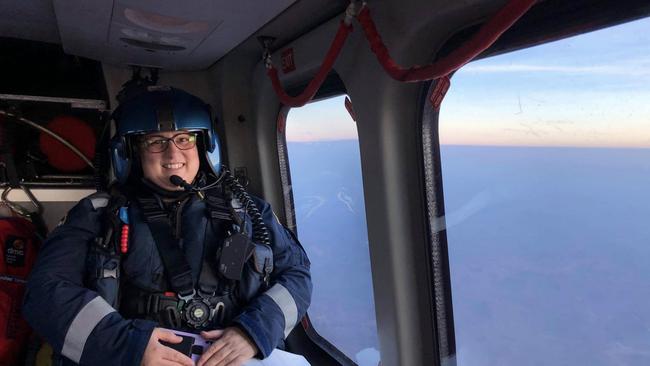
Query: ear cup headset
x,y
161,108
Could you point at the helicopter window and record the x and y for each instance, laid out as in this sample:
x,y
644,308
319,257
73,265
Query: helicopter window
x,y
330,221
546,166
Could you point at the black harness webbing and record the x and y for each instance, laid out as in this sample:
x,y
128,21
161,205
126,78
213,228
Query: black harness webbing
x,y
219,210
219,207
221,266
169,248
178,270
208,282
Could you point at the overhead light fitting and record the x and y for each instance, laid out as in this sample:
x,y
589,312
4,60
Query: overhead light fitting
x,y
164,23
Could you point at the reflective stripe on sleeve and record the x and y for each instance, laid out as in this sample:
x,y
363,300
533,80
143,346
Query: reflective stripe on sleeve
x,y
282,297
84,323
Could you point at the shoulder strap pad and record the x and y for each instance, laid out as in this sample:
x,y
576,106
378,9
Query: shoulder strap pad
x,y
99,200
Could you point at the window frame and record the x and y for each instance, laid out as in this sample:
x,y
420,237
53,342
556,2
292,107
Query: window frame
x,y
436,229
548,21
332,89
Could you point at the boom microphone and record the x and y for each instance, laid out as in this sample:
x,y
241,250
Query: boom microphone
x,y
178,181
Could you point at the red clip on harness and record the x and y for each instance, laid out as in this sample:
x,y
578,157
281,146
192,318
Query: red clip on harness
x,y
124,238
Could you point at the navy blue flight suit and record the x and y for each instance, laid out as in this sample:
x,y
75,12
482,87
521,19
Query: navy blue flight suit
x,y
86,329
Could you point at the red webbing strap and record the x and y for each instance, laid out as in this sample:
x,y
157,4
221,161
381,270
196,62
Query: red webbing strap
x,y
317,81
483,39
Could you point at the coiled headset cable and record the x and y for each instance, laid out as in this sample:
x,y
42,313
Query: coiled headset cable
x,y
260,231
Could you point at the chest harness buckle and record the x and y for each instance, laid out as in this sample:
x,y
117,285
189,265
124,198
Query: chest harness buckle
x,y
198,307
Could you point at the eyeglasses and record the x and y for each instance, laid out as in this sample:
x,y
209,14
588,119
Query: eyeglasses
x,y
158,144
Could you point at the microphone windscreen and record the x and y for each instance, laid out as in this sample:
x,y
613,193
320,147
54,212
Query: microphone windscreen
x,y
176,180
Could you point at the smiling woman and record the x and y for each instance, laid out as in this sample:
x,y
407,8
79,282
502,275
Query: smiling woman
x,y
164,154
194,264
544,210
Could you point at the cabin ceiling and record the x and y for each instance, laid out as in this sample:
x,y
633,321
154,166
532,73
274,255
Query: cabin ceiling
x,y
33,20
194,34
170,34
179,35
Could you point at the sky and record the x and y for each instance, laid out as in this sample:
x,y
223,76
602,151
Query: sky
x,y
591,90
324,120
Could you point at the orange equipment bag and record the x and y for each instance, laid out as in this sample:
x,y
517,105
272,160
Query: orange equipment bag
x,y
18,247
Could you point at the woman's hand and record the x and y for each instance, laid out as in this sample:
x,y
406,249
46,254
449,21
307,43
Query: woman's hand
x,y
158,354
231,347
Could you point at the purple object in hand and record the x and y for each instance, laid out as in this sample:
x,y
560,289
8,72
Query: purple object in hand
x,y
192,345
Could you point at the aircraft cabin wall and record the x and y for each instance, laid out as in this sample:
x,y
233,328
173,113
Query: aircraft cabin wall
x,y
390,130
388,140
195,82
390,137
388,120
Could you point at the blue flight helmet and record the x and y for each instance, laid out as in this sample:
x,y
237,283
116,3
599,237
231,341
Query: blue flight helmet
x,y
159,108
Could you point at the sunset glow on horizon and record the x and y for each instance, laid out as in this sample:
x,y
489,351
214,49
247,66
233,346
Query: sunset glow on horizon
x,y
591,90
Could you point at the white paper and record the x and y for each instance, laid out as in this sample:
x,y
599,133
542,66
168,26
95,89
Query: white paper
x,y
279,358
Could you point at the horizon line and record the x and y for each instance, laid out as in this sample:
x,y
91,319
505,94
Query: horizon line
x,y
550,146
496,145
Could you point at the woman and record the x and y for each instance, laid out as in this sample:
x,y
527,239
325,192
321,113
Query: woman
x,y
178,246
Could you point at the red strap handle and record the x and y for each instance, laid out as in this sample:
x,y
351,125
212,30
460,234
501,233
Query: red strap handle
x,y
317,81
483,39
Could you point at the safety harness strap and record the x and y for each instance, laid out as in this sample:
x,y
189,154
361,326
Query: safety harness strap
x,y
180,273
169,248
222,215
219,213
215,300
219,208
208,283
